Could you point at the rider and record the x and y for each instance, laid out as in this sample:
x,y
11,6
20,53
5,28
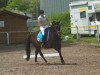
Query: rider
x,y
42,20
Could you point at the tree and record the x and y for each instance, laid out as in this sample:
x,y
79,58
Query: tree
x,y
3,3
30,6
21,5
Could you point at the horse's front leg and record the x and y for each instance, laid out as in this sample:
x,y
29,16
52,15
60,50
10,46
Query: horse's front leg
x,y
41,54
36,53
61,57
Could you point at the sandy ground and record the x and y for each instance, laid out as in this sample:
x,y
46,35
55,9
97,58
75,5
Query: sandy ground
x,y
81,59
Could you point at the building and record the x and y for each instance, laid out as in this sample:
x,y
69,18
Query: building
x,y
13,27
55,6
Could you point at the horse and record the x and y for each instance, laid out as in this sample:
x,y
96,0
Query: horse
x,y
54,41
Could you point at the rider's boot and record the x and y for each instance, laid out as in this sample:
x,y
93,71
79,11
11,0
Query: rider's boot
x,y
43,41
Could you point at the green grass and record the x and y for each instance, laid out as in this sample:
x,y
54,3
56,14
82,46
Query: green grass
x,y
82,39
89,40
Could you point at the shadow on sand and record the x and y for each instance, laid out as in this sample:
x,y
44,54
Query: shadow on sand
x,y
54,64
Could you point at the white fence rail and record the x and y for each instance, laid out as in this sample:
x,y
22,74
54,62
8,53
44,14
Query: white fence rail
x,y
98,34
8,37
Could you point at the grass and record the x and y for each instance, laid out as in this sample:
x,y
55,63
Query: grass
x,y
89,40
82,39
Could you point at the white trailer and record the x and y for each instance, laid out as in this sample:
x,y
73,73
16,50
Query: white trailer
x,y
85,15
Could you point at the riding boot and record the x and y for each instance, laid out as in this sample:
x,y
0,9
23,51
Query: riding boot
x,y
43,40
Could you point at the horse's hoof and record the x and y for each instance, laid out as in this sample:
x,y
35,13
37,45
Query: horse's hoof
x,y
63,63
36,62
27,59
46,62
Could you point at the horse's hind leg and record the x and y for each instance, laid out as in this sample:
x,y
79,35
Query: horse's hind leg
x,y
42,56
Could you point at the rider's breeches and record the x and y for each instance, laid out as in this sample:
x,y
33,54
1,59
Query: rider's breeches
x,y
42,28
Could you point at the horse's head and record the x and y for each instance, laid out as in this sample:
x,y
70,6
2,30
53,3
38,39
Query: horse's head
x,y
56,27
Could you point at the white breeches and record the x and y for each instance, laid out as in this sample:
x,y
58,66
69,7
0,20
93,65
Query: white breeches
x,y
42,28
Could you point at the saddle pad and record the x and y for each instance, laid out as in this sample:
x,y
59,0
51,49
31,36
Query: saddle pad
x,y
39,37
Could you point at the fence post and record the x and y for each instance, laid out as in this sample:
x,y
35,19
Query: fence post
x,y
77,33
7,38
98,33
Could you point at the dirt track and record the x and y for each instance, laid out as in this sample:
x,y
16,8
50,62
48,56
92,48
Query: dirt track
x,y
81,59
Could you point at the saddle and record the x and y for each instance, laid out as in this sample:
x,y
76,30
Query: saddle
x,y
41,38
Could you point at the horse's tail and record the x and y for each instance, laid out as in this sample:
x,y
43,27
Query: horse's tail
x,y
28,50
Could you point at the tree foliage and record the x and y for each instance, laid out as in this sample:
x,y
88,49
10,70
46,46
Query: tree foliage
x,y
29,6
21,5
3,3
64,19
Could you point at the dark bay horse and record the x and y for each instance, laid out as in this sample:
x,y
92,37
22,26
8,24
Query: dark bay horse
x,y
54,41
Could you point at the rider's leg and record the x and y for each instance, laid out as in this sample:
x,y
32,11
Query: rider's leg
x,y
42,28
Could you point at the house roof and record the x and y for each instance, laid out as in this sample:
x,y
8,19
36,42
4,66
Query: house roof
x,y
13,13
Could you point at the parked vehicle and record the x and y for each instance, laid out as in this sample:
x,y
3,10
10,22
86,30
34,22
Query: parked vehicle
x,y
85,17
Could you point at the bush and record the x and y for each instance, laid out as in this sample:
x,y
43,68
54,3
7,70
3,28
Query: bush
x,y
64,19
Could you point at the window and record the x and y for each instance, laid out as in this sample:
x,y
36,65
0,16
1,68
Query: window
x,y
98,16
83,14
90,7
92,18
1,23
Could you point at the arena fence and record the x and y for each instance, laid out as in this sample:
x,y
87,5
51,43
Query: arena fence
x,y
97,33
21,36
13,37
